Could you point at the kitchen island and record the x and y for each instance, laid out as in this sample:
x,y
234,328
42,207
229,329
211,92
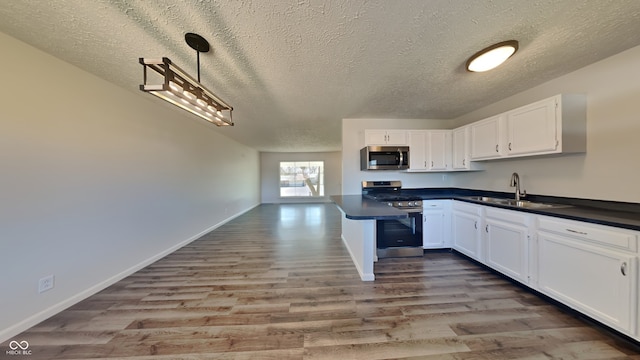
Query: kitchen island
x,y
359,215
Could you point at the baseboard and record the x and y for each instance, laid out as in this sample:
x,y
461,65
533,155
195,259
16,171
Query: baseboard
x,y
37,318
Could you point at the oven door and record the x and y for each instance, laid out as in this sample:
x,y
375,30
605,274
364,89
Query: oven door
x,y
401,232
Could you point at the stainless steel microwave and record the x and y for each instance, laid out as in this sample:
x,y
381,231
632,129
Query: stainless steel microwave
x,y
384,158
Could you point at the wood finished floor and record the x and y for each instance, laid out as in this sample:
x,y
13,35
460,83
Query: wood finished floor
x,y
277,283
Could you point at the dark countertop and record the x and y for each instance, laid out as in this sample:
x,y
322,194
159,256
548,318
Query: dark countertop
x,y
357,207
616,218
611,213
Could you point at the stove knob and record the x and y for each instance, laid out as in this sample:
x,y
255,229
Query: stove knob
x,y
410,203
390,204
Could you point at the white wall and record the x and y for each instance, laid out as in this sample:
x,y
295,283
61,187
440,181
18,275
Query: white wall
x,y
358,237
353,141
609,169
270,174
98,181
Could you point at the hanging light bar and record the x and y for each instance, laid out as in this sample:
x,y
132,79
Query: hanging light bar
x,y
182,90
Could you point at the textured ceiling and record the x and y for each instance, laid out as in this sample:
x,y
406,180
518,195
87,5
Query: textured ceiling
x,y
293,69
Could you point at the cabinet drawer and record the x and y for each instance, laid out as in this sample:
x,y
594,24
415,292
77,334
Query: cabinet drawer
x,y
599,234
467,207
516,217
432,205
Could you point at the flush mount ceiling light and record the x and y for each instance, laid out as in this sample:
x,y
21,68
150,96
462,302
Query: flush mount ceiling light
x,y
179,88
492,56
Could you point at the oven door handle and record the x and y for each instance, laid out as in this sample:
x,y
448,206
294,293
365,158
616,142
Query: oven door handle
x,y
413,225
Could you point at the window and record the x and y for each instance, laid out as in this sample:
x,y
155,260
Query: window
x,y
301,178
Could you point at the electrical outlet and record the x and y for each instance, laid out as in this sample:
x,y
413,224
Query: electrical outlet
x,y
46,283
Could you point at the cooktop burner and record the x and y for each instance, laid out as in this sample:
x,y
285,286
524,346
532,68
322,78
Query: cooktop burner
x,y
394,197
390,192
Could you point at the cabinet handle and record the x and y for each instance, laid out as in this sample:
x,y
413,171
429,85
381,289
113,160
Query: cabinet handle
x,y
623,268
464,162
432,163
475,225
577,232
496,148
486,228
509,146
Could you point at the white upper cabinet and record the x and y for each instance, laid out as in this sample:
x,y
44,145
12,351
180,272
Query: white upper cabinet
x,y
550,126
461,150
385,137
533,129
439,150
417,149
430,150
460,157
487,138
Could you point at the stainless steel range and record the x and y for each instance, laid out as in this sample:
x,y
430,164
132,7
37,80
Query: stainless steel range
x,y
401,237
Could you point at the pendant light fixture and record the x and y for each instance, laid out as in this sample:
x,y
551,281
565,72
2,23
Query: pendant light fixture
x,y
181,89
489,58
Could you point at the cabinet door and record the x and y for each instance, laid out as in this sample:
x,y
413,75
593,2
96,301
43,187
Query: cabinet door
x,y
460,159
466,233
436,225
417,149
375,137
396,137
433,229
533,129
594,280
385,137
439,150
485,138
507,248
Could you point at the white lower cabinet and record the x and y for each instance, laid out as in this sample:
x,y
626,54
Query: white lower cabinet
x,y
506,241
583,266
589,267
466,221
436,224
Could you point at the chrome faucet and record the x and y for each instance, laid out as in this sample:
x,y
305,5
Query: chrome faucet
x,y
515,181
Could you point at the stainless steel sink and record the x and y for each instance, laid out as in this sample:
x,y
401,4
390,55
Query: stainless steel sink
x,y
516,203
